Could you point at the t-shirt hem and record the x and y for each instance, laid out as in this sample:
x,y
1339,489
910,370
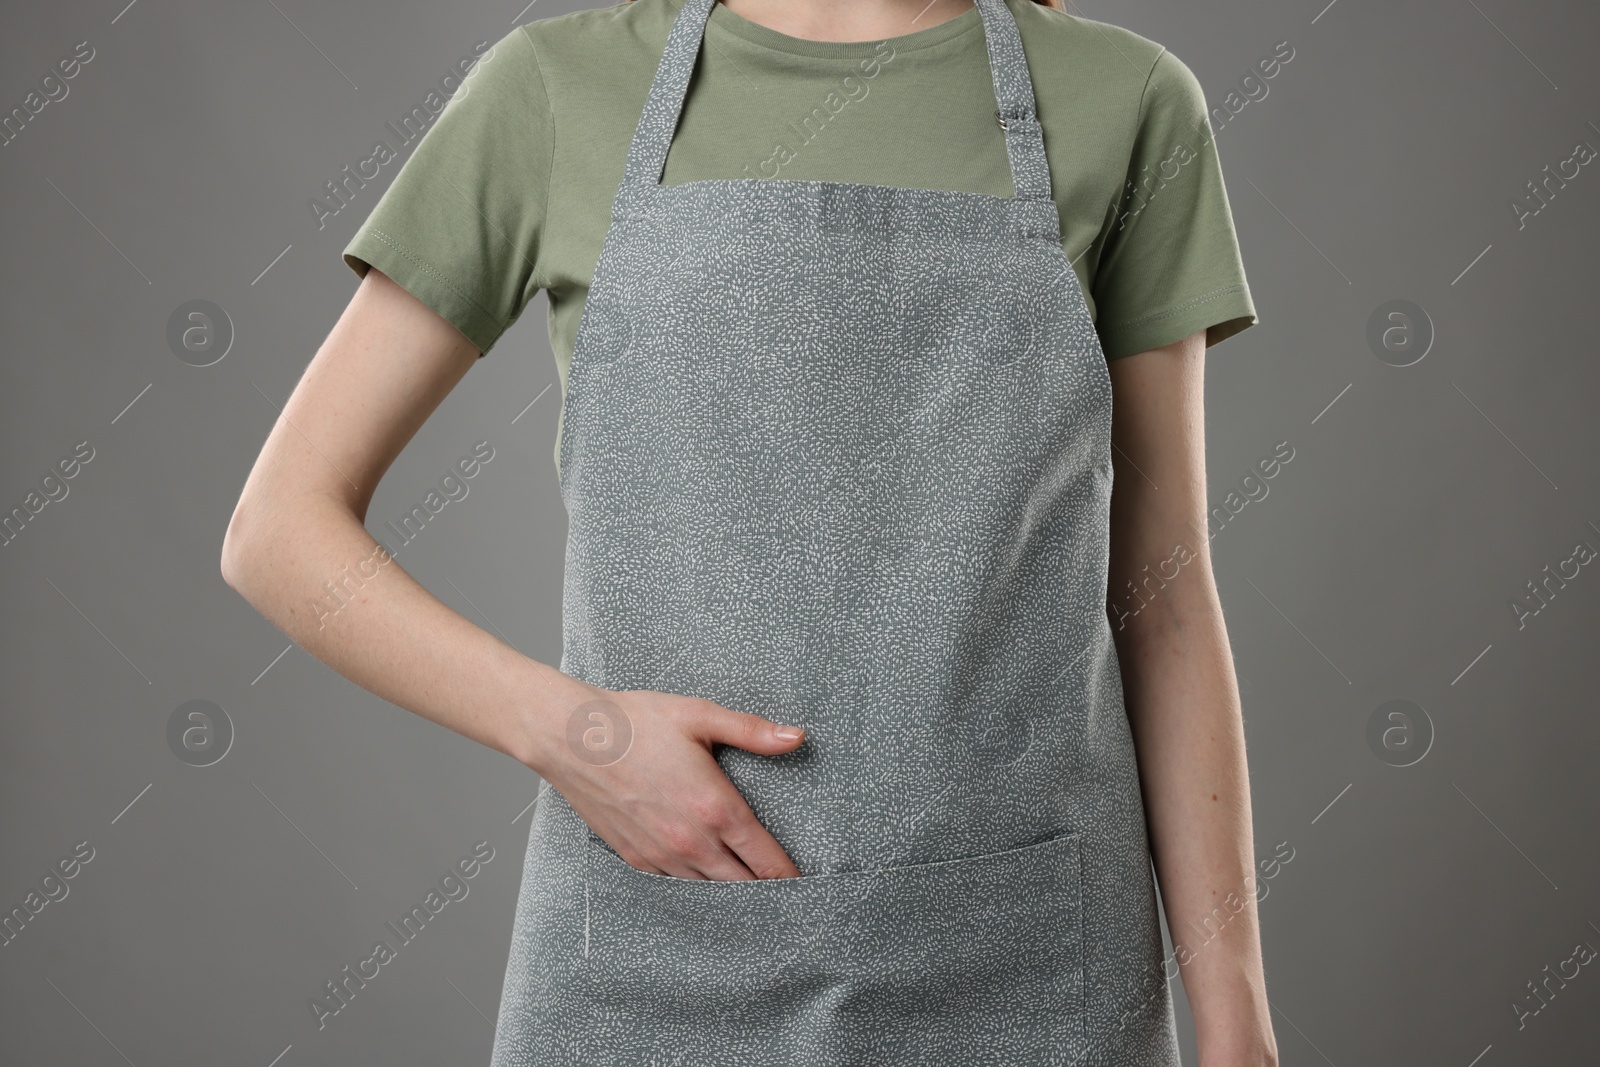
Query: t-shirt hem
x,y
375,248
1222,313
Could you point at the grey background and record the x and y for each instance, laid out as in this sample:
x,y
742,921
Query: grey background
x,y
1380,566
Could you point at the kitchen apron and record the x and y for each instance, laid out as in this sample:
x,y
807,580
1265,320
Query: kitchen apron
x,y
840,455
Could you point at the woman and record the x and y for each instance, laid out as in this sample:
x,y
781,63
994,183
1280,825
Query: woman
x,y
851,761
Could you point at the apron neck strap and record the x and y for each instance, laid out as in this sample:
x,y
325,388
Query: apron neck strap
x,y
1013,90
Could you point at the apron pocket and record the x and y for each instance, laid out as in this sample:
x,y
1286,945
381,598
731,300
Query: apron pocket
x,y
972,960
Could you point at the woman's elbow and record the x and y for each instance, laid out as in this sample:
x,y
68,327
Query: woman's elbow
x,y
238,548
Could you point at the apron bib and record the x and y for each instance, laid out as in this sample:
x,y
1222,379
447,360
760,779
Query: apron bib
x,y
840,455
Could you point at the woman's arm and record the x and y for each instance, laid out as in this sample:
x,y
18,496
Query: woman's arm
x,y
1182,700
384,368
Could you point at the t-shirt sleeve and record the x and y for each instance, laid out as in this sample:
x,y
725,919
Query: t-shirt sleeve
x,y
1170,263
459,226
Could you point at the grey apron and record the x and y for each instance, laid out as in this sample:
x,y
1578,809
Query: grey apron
x,y
840,455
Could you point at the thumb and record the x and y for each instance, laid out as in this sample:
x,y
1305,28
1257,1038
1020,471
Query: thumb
x,y
750,732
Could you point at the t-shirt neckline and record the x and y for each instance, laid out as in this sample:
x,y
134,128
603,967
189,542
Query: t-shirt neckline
x,y
730,22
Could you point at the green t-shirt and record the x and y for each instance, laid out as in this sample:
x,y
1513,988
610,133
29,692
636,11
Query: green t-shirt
x,y
510,190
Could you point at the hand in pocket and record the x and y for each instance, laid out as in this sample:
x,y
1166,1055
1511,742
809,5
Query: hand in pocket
x,y
639,768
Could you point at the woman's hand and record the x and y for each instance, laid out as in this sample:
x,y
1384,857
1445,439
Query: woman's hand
x,y
637,766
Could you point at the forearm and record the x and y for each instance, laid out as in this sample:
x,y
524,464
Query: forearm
x,y
313,571
1183,708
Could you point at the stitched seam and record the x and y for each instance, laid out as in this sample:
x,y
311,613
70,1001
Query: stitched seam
x,y
443,280
1185,306
1114,211
550,168
1144,91
845,55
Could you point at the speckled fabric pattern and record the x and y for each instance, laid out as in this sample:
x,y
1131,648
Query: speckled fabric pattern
x,y
840,455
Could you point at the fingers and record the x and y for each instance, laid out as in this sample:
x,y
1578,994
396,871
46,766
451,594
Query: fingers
x,y
679,850
743,848
716,837
715,723
758,850
668,808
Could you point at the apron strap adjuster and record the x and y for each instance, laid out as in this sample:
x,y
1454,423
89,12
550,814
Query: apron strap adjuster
x,y
1004,119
